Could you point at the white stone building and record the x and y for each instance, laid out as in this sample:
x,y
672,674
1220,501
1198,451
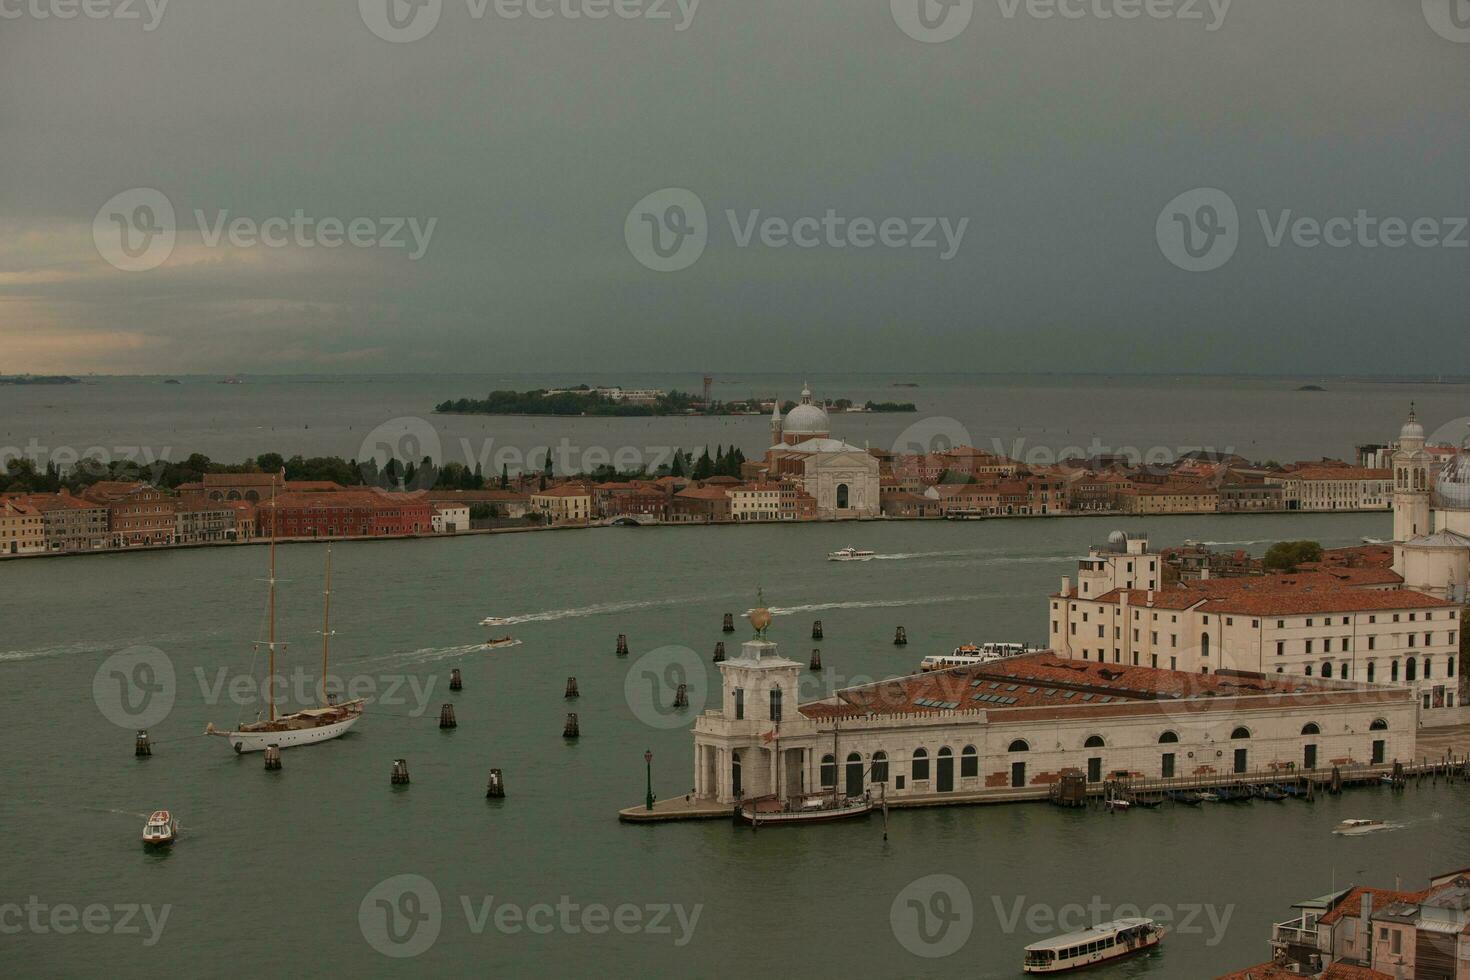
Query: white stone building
x,y
450,518
1431,516
1009,729
759,501
843,479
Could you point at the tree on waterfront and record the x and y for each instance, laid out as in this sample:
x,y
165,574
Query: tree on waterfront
x,y
1285,556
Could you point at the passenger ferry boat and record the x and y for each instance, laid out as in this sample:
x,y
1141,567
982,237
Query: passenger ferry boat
x,y
1356,828
851,554
1101,943
495,643
161,829
969,655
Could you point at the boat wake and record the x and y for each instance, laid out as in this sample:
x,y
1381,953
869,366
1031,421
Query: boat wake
x,y
600,609
78,647
430,655
872,604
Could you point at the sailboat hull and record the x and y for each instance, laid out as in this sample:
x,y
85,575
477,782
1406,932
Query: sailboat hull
x,y
243,742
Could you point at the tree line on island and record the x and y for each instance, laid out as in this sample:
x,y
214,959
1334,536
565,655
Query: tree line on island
x,y
586,401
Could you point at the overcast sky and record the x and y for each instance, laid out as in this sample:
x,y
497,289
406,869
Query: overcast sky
x,y
519,147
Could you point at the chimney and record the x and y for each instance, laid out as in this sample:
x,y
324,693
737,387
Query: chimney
x,y
1066,586
1365,913
1150,600
1204,574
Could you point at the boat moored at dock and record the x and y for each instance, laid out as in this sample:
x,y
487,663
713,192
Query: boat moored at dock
x,y
768,811
1099,944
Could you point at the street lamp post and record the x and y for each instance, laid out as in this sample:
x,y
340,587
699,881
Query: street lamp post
x,y
648,762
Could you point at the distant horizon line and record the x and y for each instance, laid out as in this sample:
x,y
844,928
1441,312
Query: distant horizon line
x,y
898,376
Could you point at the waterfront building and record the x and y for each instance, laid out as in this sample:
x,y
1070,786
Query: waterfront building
x,y
569,503
349,513
1011,728
1343,624
70,523
1336,488
1364,933
842,479
1431,514
205,521
1245,498
700,505
448,517
22,531
1168,498
251,487
760,501
507,503
138,514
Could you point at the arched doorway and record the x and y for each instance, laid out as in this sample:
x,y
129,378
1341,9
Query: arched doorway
x,y
1166,763
1094,762
1018,769
854,774
1309,750
842,496
1242,756
945,781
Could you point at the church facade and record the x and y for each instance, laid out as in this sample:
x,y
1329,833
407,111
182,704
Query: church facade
x,y
1431,516
841,478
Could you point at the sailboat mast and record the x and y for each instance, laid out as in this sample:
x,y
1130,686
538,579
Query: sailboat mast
x,y
326,623
270,676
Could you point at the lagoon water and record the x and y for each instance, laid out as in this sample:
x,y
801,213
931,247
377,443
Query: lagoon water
x,y
276,872
1035,418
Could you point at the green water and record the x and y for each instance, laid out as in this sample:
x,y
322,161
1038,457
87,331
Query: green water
x,y
274,867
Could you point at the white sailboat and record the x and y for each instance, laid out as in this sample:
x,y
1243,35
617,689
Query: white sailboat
x,y
326,721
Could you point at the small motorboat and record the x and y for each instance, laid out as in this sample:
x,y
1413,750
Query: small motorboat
x,y
1356,828
1123,805
851,554
161,829
495,621
495,643
1207,797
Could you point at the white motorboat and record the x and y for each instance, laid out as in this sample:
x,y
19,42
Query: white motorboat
x,y
496,643
495,621
971,654
1356,828
326,721
1103,942
161,829
851,554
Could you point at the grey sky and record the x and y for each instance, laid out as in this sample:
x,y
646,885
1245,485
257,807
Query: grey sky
x,y
529,140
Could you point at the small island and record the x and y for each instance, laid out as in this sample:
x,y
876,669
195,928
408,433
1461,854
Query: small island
x,y
1311,388
38,379
586,400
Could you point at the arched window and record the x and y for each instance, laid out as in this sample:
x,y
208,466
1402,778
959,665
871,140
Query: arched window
x,y
1379,725
842,494
880,767
1204,644
829,771
1310,728
1371,671
946,752
969,762
1393,671
1411,669
921,764
1093,742
1309,670
1241,732
1327,669
1168,738
1019,745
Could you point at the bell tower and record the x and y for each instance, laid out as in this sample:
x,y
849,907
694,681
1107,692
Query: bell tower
x,y
1411,513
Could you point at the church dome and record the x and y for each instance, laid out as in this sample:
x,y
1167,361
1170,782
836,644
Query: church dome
x,y
1412,430
807,419
1452,488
